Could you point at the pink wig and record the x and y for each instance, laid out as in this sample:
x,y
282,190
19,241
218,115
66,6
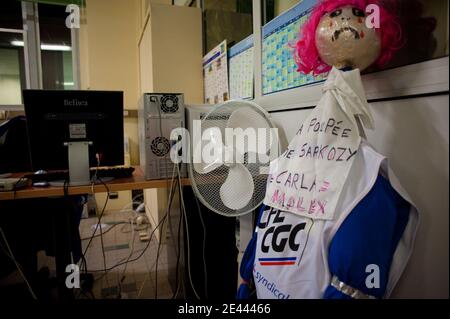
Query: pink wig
x,y
306,54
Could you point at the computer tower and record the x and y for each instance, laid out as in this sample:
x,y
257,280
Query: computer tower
x,y
159,114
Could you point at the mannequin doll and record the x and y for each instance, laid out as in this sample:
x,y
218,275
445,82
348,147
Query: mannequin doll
x,y
335,222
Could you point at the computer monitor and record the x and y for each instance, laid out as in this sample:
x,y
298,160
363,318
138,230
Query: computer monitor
x,y
74,129
241,69
279,70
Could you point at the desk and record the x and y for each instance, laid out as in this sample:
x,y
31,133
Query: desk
x,y
60,220
137,181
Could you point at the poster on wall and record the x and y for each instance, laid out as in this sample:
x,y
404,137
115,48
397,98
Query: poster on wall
x,y
241,69
279,70
215,75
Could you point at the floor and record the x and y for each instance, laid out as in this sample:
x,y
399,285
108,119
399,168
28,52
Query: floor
x,y
134,280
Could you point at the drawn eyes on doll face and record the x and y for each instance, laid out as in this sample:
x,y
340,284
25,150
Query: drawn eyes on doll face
x,y
346,20
358,13
336,13
355,11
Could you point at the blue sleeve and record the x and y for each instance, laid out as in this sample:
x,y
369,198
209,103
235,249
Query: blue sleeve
x,y
369,235
248,260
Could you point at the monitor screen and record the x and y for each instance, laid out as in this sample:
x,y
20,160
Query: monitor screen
x,y
57,117
279,70
241,69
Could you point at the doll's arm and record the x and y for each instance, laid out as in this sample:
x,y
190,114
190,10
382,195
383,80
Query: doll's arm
x,y
361,252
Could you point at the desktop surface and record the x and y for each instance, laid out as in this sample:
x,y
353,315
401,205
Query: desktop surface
x,y
135,182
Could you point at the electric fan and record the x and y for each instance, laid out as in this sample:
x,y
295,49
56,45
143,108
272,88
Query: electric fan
x,y
230,158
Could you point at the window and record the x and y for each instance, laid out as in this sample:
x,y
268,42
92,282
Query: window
x,y
12,66
425,30
228,29
274,8
11,14
56,48
227,20
24,64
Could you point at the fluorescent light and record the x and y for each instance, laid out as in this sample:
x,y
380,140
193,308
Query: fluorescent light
x,y
17,43
46,47
69,83
55,47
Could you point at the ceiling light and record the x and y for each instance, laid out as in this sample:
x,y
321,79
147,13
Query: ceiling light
x,y
45,47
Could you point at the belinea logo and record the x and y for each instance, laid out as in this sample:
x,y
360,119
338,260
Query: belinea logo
x,y
75,102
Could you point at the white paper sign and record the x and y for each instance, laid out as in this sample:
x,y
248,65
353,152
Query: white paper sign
x,y
308,177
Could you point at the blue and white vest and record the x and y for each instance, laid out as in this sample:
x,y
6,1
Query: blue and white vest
x,y
361,252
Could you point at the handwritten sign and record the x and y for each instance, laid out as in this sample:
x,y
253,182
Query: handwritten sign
x,y
308,177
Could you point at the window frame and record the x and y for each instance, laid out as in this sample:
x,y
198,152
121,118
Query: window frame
x,y
32,52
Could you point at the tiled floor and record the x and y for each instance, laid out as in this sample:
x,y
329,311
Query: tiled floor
x,y
139,278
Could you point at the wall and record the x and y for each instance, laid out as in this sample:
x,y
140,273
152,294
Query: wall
x,y
109,61
177,57
109,56
170,60
414,135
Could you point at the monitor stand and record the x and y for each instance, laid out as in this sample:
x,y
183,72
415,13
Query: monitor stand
x,y
79,174
79,163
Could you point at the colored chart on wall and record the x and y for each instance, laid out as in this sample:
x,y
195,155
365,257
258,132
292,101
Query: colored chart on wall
x,y
215,75
241,69
279,70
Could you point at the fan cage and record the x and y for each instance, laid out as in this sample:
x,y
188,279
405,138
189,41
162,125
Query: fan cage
x,y
207,186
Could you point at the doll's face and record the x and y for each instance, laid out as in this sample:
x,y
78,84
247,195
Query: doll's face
x,y
343,39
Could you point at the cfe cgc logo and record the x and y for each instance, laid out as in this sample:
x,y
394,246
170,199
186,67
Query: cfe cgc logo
x,y
284,242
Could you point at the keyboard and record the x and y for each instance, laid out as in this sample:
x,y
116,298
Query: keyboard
x,y
115,172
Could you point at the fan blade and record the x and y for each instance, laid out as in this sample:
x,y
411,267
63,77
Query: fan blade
x,y
237,191
205,168
247,118
209,150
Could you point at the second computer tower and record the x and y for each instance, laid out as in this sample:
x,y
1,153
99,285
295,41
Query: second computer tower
x,y
159,114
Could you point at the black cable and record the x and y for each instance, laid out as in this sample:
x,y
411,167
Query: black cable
x,y
82,257
205,270
126,264
67,215
160,237
10,254
146,247
160,241
101,230
98,223
106,231
15,186
178,255
157,261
